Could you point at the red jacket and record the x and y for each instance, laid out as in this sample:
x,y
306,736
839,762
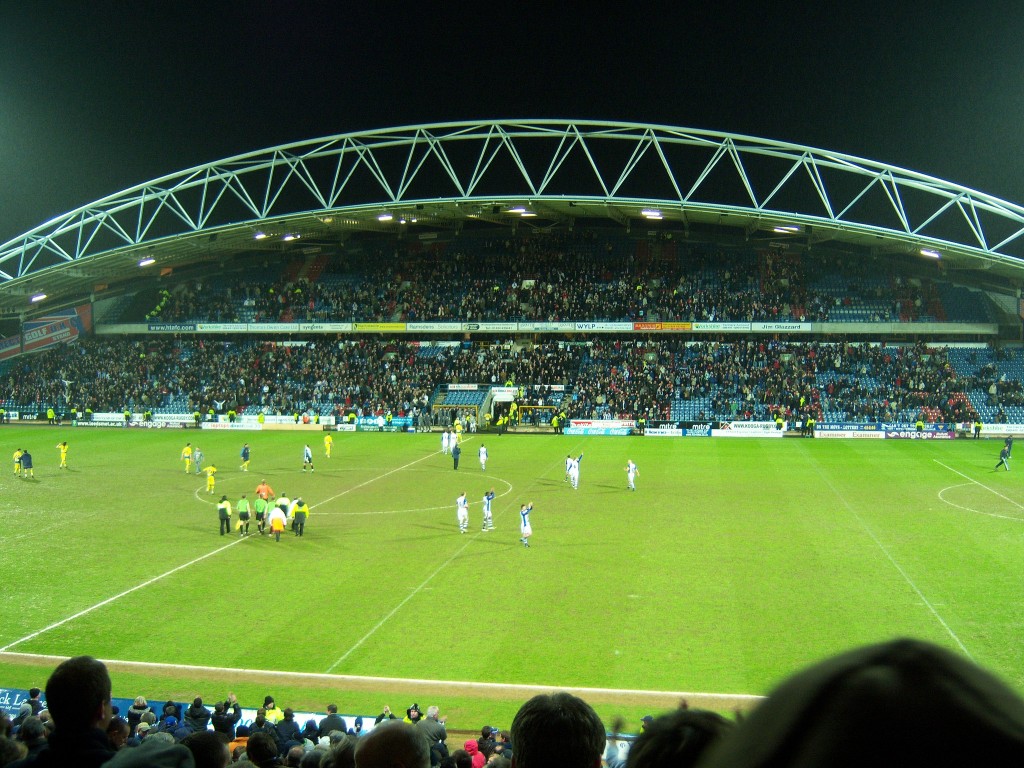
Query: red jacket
x,y
474,751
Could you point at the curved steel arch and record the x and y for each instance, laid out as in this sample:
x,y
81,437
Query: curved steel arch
x,y
621,166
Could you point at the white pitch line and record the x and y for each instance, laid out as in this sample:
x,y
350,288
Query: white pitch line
x,y
184,565
401,681
899,569
971,479
375,479
944,500
398,607
109,600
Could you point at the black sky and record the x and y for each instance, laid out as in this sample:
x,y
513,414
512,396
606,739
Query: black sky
x,y
99,96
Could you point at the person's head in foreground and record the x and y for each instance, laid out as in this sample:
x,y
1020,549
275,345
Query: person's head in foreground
x,y
904,702
557,730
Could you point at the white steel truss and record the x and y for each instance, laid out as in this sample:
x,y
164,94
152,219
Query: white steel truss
x,y
621,166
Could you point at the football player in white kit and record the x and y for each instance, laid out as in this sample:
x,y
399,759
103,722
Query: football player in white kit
x,y
574,472
525,530
462,512
488,520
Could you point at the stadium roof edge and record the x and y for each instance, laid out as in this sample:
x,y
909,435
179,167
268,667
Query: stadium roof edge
x,y
442,176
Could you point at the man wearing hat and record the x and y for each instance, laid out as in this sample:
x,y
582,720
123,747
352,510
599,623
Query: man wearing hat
x,y
300,513
141,731
273,712
413,714
224,514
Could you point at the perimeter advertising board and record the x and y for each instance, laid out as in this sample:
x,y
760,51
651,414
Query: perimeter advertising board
x,y
600,427
747,429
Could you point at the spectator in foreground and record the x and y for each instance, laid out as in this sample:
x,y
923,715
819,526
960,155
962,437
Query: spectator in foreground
x,y
678,739
78,699
557,730
904,702
262,750
209,749
11,750
33,735
393,744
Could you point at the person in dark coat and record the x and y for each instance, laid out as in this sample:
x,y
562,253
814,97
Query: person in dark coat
x,y
333,722
288,731
197,717
226,715
135,712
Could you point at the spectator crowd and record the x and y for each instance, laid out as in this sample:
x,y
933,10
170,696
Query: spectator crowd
x,y
605,377
556,278
884,704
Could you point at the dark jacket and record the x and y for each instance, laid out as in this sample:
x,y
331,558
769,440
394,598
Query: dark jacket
x,y
89,749
134,716
225,722
197,718
265,727
334,722
288,730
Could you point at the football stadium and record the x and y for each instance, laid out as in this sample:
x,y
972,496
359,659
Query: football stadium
x,y
637,412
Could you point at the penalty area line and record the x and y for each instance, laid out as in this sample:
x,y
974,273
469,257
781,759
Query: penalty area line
x,y
368,680
110,600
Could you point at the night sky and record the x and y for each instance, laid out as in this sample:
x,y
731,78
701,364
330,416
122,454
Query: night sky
x,y
99,96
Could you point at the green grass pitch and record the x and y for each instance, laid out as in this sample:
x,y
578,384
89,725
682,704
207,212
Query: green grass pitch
x,y
734,563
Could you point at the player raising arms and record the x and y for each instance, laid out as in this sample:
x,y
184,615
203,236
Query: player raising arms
x,y
63,448
574,471
488,519
525,530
